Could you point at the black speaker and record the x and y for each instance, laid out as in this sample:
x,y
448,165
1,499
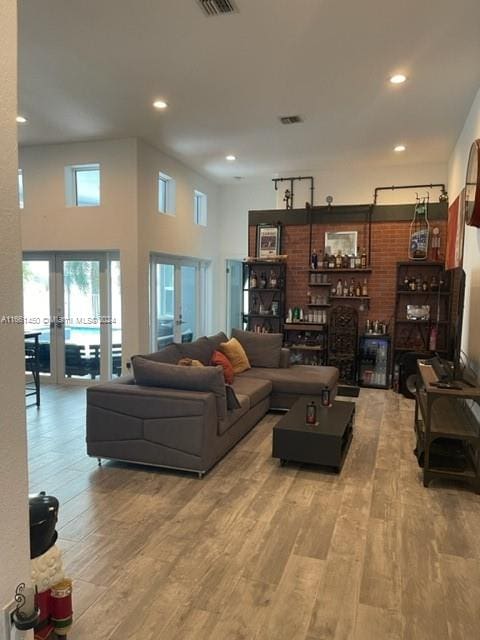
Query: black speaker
x,y
407,371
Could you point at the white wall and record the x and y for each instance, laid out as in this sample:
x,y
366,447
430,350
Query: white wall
x,y
14,542
176,235
48,224
127,219
471,262
355,184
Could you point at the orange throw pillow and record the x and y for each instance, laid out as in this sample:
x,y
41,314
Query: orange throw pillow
x,y
221,359
236,354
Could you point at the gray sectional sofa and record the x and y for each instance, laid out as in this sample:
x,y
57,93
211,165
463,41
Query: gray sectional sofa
x,y
186,417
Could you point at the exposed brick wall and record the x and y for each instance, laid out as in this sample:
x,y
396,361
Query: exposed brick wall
x,y
389,246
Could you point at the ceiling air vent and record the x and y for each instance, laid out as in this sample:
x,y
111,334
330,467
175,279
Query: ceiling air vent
x,y
217,7
290,119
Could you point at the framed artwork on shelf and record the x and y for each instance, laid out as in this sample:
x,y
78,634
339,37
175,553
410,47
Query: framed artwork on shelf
x,y
343,241
268,240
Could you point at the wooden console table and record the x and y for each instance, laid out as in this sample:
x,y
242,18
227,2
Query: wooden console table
x,y
448,414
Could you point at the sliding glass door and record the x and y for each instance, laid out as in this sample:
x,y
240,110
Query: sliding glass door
x,y
177,292
234,288
74,300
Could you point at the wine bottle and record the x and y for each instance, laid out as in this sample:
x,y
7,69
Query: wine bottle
x,y
365,288
311,414
363,260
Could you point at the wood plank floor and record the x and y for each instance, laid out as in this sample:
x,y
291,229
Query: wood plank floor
x,y
256,551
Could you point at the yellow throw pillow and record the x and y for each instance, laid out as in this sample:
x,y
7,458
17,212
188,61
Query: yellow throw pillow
x,y
236,354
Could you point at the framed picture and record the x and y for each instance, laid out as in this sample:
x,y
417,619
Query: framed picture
x,y
268,240
343,241
455,232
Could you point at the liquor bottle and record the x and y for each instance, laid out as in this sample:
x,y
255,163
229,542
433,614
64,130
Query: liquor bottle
x,y
365,288
434,284
273,280
331,261
363,260
333,290
406,283
311,414
253,280
358,259
325,397
424,285
263,280
351,289
345,262
352,261
314,260
338,260
326,258
339,289
345,289
358,289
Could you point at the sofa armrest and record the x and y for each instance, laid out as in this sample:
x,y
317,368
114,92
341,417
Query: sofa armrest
x,y
284,358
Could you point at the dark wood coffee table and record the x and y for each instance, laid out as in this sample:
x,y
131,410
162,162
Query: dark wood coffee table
x,y
325,443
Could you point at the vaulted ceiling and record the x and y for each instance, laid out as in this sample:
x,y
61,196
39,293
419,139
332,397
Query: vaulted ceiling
x,y
90,69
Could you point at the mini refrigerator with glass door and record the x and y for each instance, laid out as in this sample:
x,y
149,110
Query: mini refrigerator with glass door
x,y
374,361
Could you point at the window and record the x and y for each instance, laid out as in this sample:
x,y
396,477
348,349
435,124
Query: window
x,y
166,194
21,202
82,185
200,208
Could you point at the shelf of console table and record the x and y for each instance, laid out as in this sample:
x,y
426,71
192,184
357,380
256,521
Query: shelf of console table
x,y
446,413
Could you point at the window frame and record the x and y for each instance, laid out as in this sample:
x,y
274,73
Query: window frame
x,y
71,183
200,208
170,192
20,189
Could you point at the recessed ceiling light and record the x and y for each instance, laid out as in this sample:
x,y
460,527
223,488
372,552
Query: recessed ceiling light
x,y
398,78
160,104
21,119
399,148
230,157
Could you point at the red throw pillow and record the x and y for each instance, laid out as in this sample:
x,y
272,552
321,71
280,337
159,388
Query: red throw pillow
x,y
218,358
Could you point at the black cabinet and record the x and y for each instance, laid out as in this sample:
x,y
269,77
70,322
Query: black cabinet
x,y
264,295
422,308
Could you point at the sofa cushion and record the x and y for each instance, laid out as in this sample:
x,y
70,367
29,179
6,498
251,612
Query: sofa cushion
x,y
159,374
233,416
169,355
255,388
201,349
217,339
298,379
220,359
232,400
236,354
262,349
